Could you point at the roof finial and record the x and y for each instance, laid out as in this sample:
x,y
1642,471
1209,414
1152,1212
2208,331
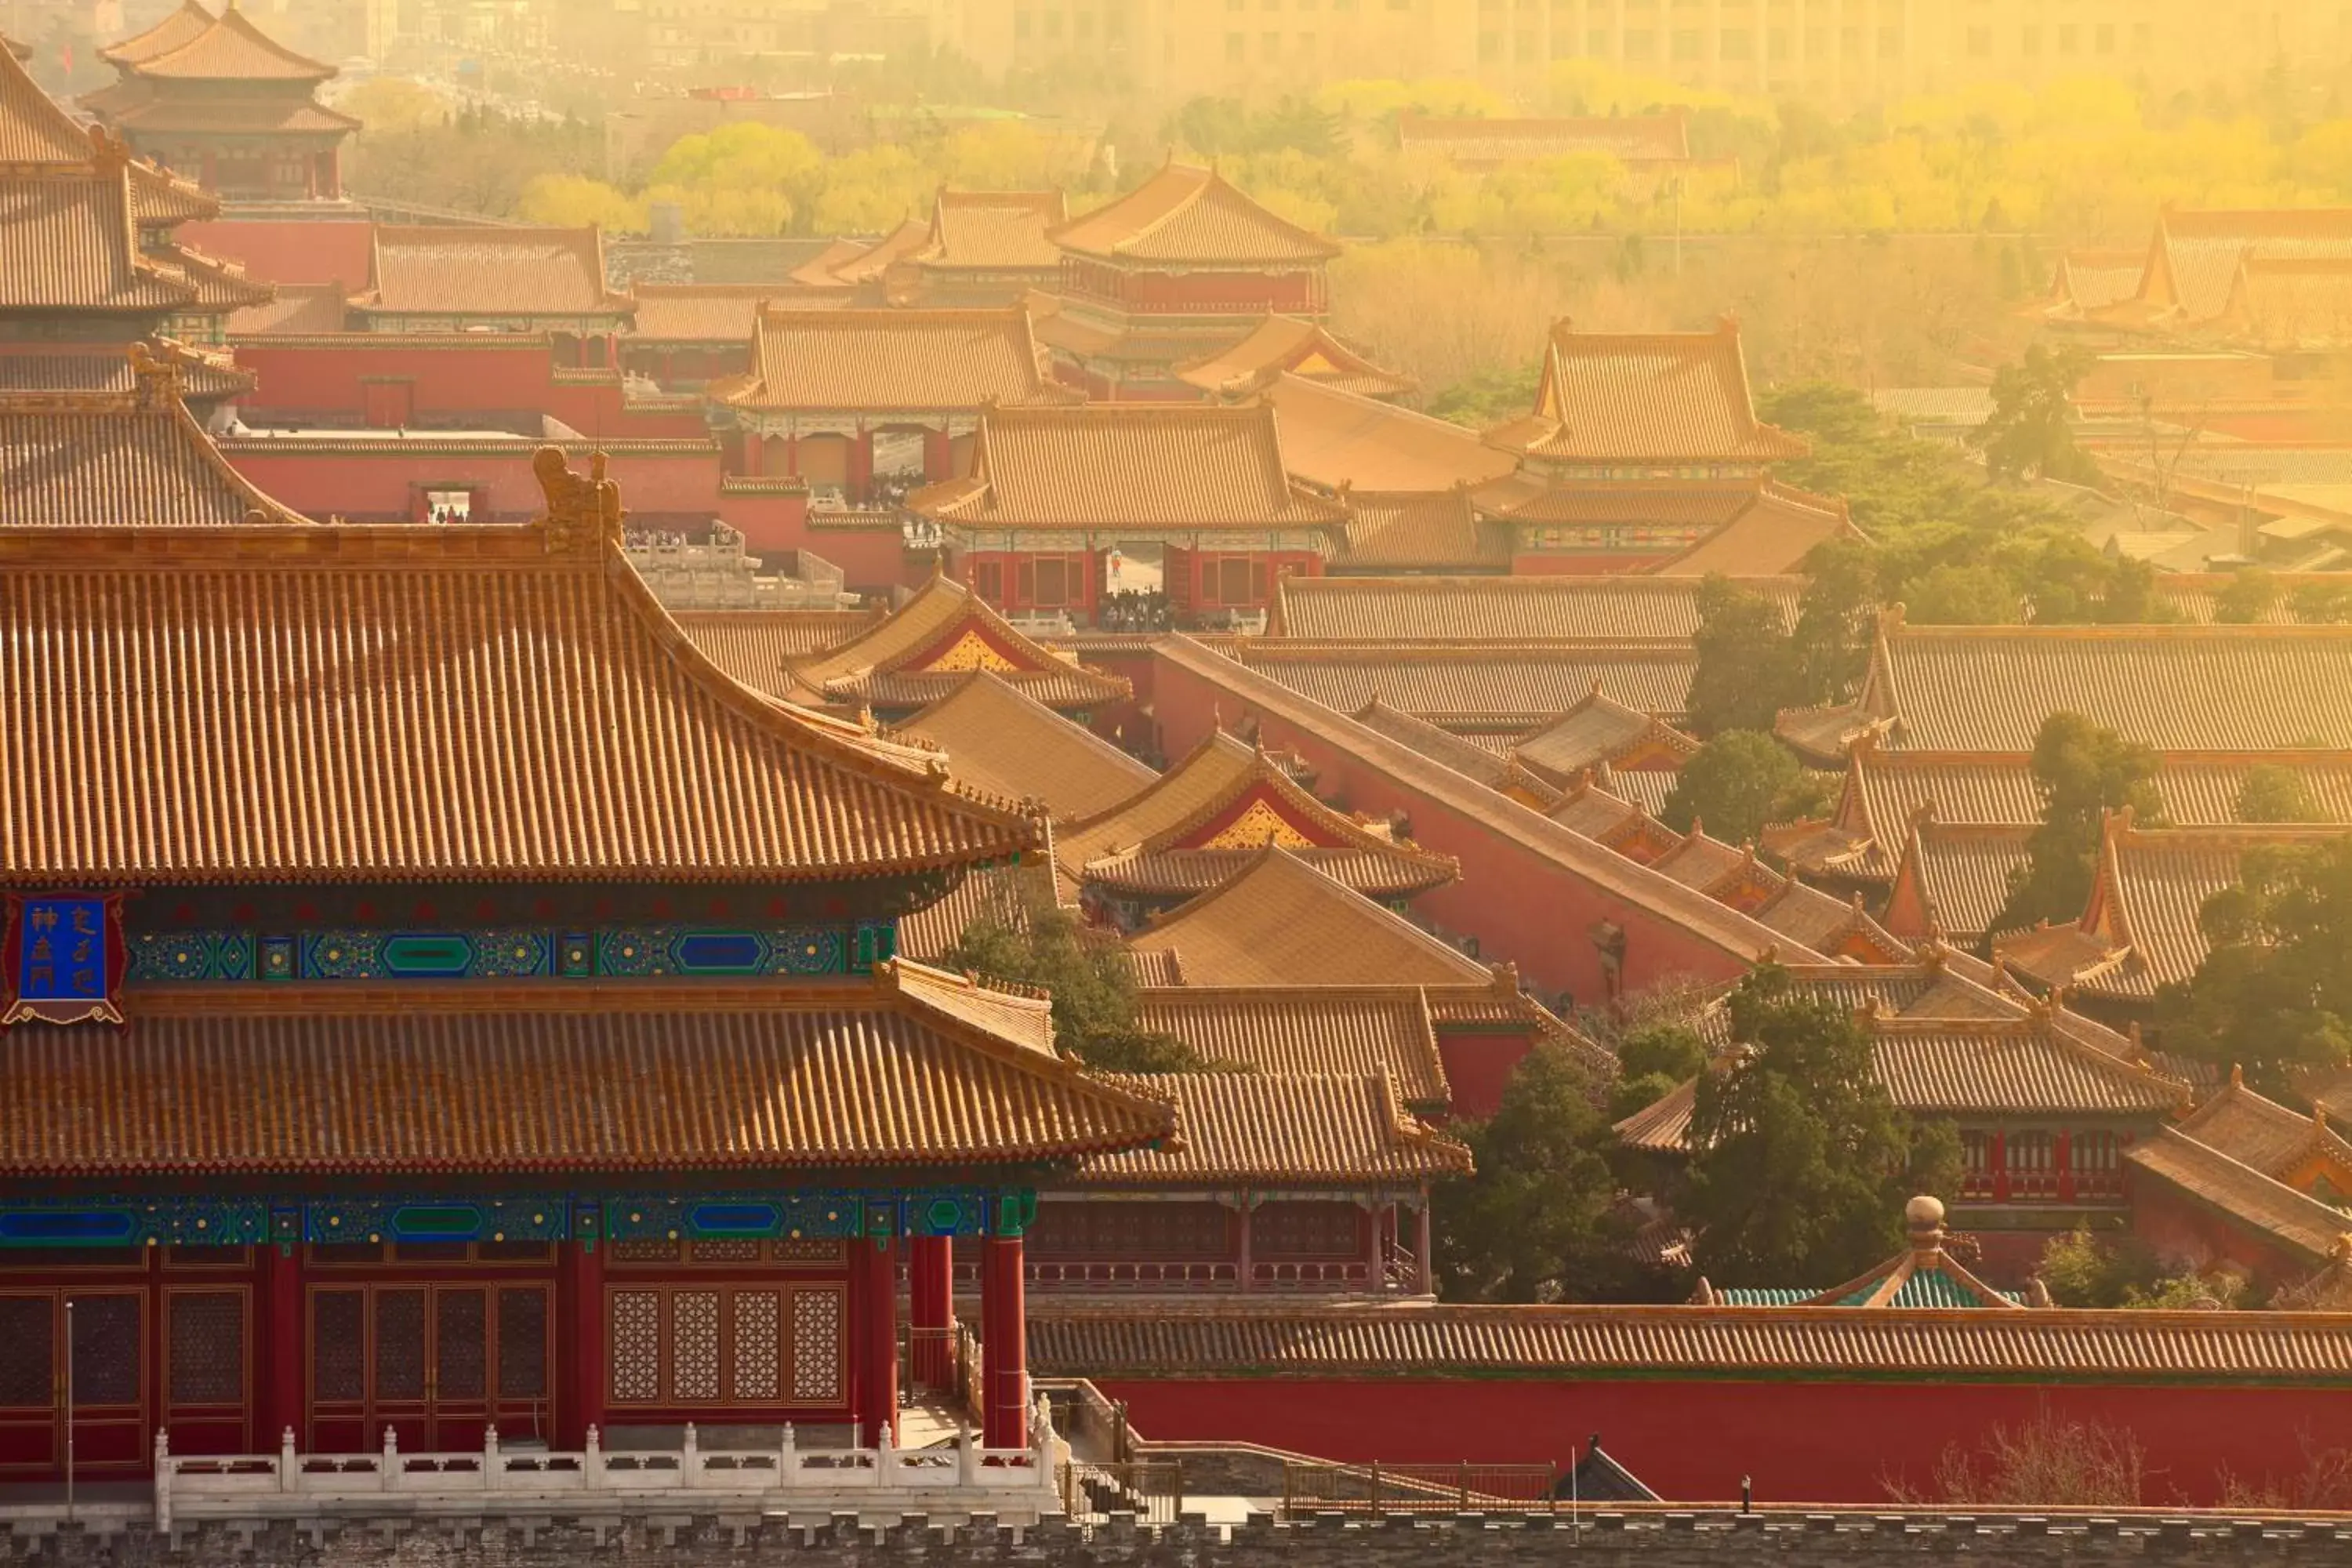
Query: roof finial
x,y
2237,1075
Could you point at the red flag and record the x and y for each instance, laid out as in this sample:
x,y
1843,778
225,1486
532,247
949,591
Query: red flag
x,y
65,57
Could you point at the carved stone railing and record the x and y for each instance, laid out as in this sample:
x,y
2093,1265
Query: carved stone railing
x,y
1021,1482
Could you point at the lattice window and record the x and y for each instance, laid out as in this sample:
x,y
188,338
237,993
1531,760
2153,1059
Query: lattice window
x,y
645,1251
522,1344
400,1345
339,1347
755,1373
106,1350
207,1347
28,1348
461,1349
810,1251
723,1252
1129,1231
694,1345
637,1347
817,1347
1306,1230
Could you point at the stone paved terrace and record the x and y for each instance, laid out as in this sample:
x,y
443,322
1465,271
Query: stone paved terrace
x,y
1650,1539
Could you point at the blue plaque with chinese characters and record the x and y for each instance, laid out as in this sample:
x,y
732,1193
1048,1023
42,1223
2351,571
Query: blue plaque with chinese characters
x,y
65,958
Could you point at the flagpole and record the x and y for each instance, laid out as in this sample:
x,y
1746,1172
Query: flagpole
x,y
69,1411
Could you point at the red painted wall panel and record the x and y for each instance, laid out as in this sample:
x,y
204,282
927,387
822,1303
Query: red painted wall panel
x,y
1800,1442
1520,906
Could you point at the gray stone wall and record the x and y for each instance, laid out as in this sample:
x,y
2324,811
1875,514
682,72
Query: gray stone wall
x,y
1659,1540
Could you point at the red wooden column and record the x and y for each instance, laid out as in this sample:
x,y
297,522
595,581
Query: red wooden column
x,y
1004,1345
580,1343
861,466
939,456
876,1291
930,1309
277,1363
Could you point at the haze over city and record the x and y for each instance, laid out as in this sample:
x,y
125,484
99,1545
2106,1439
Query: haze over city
x,y
1120,779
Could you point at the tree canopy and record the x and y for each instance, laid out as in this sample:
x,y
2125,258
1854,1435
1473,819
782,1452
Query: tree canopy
x,y
2275,794
2030,433
1799,1163
2082,770
1738,782
1034,941
2275,991
1751,664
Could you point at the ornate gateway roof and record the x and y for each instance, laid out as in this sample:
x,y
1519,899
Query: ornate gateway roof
x,y
924,650
852,360
304,703
1188,217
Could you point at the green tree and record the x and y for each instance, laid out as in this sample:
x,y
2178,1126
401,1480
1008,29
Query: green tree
x,y
2275,794
2275,991
1800,1163
2246,598
1738,782
1748,667
1034,941
1652,1061
1537,1221
1954,594
2321,603
2030,433
2082,771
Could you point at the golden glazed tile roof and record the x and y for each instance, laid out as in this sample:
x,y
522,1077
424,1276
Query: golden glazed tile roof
x,y
1105,467
1282,1131
923,650
1001,741
1283,922
2140,930
1504,609
726,313
1628,138
1637,397
456,269
1183,216
758,646
1412,531
1073,1338
298,311
1490,686
177,28
2270,1209
1350,1031
993,231
2092,280
1961,875
34,128
157,116
851,361
1494,769
229,47
2175,688
817,271
1203,821
68,243
110,459
109,370
857,264
1005,894
1600,731
2195,257
2260,1132
1333,436
630,1076
1280,345
347,703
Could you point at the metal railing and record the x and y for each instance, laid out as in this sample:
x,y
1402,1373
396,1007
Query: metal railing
x,y
1151,1490
1376,1490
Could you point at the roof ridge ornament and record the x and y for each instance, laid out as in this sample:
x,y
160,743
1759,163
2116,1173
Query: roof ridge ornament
x,y
583,512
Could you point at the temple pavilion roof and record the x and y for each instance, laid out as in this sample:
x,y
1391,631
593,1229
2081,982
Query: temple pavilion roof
x,y
111,370
193,45
1500,688
2175,688
1353,1031
1187,216
714,314
1000,739
34,128
2140,929
993,231
1645,398
824,359
1287,345
2196,259
1483,764
1114,467
1280,922
1205,819
1282,1131
124,453
1924,1274
1600,729
925,648
1420,531
2245,1197
1504,609
303,703
1333,437
2284,1145
910,1069
461,269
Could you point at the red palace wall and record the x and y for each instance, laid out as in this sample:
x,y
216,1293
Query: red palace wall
x,y
2185,1234
1692,1441
1478,1066
332,381
1521,905
380,485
